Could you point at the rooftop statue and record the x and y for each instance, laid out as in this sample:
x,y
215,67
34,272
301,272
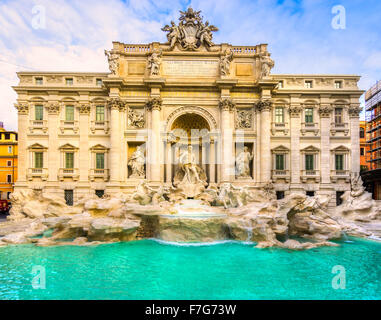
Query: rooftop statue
x,y
191,33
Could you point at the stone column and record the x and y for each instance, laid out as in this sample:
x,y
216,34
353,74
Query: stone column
x,y
325,111
212,167
227,161
114,104
53,164
168,163
354,111
264,106
154,104
23,118
84,161
295,127
123,144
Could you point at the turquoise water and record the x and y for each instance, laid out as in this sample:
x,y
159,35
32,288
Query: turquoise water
x,y
152,270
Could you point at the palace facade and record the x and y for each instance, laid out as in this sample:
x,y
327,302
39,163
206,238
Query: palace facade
x,y
82,133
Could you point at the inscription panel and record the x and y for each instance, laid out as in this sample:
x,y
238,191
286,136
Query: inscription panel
x,y
207,68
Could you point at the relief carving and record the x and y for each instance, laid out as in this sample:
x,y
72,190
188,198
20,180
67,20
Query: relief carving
x,y
113,62
244,119
136,118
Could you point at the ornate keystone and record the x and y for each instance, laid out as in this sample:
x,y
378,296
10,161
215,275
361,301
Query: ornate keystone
x,y
154,104
227,104
264,105
22,108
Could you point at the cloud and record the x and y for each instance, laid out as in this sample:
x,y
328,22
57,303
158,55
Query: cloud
x,y
299,35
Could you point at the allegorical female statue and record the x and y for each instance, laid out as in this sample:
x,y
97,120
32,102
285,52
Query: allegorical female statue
x,y
243,163
136,163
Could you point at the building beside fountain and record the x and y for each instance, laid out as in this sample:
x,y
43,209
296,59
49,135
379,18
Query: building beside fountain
x,y
82,133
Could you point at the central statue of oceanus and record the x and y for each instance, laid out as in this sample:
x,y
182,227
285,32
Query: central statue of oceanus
x,y
190,178
191,33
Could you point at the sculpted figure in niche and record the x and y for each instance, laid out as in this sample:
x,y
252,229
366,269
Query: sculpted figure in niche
x,y
267,65
136,163
225,61
154,62
113,62
189,165
243,163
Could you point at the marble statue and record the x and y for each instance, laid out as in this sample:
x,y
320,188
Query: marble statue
x,y
191,33
267,65
136,163
154,62
225,61
243,163
190,178
113,61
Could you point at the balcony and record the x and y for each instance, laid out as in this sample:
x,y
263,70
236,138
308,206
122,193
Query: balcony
x,y
38,125
310,127
102,174
99,125
69,125
339,127
340,175
281,175
279,127
65,173
37,173
305,175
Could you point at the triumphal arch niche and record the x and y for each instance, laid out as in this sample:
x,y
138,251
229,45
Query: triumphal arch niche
x,y
192,106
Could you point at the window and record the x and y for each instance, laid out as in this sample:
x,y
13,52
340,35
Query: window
x,y
9,149
7,136
362,133
9,178
69,160
100,113
39,81
99,193
9,163
100,161
338,84
279,195
279,162
339,162
38,160
339,201
8,195
69,81
361,151
99,82
69,195
38,113
279,115
309,115
69,113
338,115
308,84
309,162
310,193
280,84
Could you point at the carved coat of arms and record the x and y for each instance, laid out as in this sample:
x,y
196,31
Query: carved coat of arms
x,y
191,32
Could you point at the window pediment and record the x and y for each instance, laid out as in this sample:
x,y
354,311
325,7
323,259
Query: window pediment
x,y
67,146
37,146
280,149
99,147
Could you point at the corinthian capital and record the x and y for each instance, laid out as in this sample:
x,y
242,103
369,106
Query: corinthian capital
x,y
22,108
154,104
264,105
325,110
115,104
226,104
53,107
295,110
354,110
84,108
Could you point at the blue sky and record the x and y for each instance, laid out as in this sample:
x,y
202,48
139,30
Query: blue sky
x,y
299,33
